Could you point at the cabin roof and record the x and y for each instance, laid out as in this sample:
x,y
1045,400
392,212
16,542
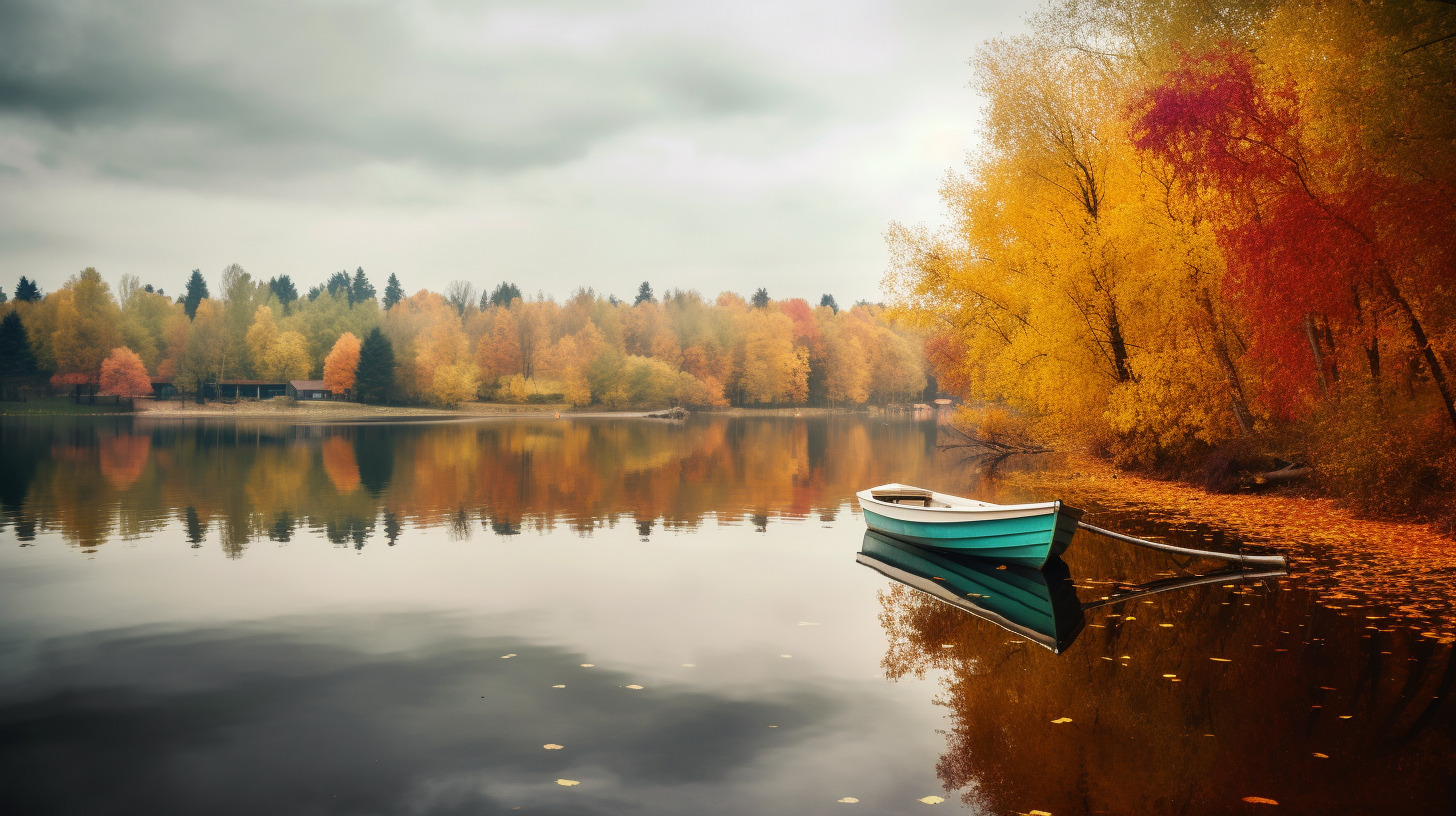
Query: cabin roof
x,y
308,385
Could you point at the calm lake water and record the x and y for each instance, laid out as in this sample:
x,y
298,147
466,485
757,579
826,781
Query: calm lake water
x,y
629,616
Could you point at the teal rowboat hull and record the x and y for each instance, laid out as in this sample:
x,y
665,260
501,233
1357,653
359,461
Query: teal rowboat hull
x,y
1029,534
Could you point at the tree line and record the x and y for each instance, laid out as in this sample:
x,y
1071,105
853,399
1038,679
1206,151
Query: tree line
x,y
1205,235
464,344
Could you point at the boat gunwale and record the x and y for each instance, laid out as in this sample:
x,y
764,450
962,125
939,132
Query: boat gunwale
x,y
980,507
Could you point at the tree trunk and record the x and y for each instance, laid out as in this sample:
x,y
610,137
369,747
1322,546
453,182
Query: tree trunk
x,y
1319,354
1226,363
1119,347
1423,345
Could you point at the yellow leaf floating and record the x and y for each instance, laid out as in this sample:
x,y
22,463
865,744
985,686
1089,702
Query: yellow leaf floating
x,y
1038,813
558,687
1170,675
567,783
1166,625
1129,617
1321,756
1259,800
932,800
551,746
508,657
848,800
1060,720
634,686
1220,660
587,665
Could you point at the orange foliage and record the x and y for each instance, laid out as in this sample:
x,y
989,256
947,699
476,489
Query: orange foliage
x,y
123,373
342,364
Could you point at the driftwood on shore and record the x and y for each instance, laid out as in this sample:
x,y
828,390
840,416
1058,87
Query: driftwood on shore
x,y
986,448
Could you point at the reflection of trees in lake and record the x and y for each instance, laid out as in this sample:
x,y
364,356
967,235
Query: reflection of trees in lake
x,y
1139,741
94,481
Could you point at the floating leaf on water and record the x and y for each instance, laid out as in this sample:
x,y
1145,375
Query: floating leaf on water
x,y
1321,756
1166,625
773,726
509,656
1346,716
1220,660
634,686
785,655
999,566
558,686
1129,617
1125,657
1038,813
551,746
1170,675
935,800
567,783
947,645
587,665
848,800
1259,800
1060,720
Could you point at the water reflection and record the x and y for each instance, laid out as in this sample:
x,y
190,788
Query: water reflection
x,y
1183,701
316,717
1038,604
96,480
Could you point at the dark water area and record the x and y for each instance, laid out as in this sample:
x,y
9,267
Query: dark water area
x,y
628,616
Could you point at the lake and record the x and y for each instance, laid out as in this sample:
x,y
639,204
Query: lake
x,y
586,616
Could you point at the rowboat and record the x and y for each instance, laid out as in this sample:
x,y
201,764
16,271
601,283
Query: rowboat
x,y
1028,534
1039,605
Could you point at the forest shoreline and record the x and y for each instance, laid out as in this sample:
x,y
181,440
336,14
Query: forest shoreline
x,y
288,410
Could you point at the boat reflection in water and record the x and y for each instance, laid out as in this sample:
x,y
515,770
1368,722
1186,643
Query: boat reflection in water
x,y
1038,604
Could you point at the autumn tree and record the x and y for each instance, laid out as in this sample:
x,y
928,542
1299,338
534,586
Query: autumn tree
x,y
342,364
123,374
86,326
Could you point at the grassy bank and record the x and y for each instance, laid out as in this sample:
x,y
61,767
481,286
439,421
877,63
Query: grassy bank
x,y
64,406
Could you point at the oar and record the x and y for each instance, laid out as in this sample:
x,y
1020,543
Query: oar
x,y
1170,584
1267,560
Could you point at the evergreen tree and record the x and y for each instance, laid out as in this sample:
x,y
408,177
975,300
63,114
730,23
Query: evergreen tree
x,y
26,290
760,299
393,292
504,294
375,379
17,362
828,300
282,288
644,293
3,296
196,291
339,284
314,292
361,289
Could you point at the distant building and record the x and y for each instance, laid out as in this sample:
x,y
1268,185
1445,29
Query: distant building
x,y
307,390
251,389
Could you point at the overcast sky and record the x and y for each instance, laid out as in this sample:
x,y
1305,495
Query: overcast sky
x,y
554,143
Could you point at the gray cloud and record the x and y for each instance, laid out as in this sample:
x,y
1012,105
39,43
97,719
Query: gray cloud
x,y
569,143
281,86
